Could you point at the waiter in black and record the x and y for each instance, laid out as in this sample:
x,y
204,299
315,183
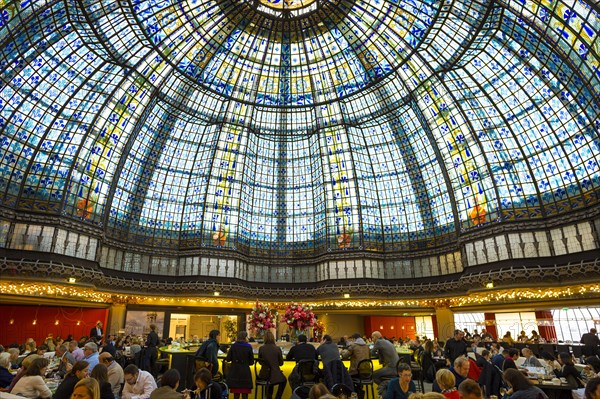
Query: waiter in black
x,y
455,347
152,350
96,332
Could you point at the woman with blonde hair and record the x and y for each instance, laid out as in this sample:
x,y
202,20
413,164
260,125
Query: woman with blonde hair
x,y
87,388
447,382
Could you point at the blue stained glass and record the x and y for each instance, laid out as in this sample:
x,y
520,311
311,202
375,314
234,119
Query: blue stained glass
x,y
351,126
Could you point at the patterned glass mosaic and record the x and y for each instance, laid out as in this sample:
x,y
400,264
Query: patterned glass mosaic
x,y
294,127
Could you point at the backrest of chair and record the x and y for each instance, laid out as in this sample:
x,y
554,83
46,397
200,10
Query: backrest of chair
x,y
225,369
365,368
302,392
306,367
341,390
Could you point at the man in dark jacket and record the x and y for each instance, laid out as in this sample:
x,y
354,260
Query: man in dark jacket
x,y
209,350
302,350
455,347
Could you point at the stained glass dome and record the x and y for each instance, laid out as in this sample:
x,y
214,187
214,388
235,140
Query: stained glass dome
x,y
287,128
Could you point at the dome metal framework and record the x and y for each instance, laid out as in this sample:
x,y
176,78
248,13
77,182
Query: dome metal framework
x,y
294,129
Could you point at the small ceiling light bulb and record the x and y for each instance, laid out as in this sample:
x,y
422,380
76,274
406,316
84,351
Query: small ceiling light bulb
x,y
34,322
12,321
78,322
56,322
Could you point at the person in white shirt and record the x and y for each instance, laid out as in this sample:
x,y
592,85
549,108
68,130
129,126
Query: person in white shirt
x,y
139,384
32,384
115,372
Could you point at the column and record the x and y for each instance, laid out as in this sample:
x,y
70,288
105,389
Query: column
x,y
116,318
445,322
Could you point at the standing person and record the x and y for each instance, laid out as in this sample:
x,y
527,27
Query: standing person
x,y
388,357
66,387
87,388
241,357
152,350
209,350
521,387
455,347
96,332
32,384
591,343
271,353
328,350
100,374
139,384
403,386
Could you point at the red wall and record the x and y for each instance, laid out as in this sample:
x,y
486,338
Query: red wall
x,y
23,328
374,323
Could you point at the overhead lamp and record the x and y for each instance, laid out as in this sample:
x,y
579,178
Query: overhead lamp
x,y
72,280
56,322
78,322
381,327
346,296
34,322
489,284
217,293
12,321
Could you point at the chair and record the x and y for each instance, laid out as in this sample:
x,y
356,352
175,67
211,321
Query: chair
x,y
341,391
301,392
306,370
418,376
262,374
365,377
224,372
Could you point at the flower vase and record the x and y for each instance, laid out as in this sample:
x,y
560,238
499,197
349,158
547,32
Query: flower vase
x,y
260,335
295,332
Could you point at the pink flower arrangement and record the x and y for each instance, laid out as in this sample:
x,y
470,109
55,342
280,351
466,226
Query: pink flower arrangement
x,y
299,316
262,318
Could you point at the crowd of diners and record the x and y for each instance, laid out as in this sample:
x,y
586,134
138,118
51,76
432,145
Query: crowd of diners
x,y
466,366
